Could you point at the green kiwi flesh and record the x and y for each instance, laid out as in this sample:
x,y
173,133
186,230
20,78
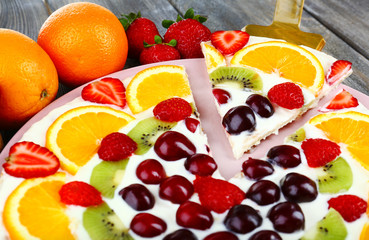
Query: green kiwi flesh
x,y
107,175
336,177
240,77
298,136
147,131
102,223
331,227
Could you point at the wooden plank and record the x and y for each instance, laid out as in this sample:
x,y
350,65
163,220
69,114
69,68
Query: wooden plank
x,y
227,14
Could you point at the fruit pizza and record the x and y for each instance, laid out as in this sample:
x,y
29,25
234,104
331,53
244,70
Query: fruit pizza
x,y
261,85
128,159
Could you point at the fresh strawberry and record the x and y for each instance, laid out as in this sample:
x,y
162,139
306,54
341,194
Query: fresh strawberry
x,y
351,207
106,91
159,52
80,193
338,69
216,194
287,95
229,42
30,160
138,31
172,110
343,100
116,146
319,151
189,33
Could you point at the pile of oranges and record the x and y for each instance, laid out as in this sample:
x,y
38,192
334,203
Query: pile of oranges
x,y
76,44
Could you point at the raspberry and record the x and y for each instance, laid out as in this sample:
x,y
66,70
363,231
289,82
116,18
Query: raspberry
x,y
172,110
217,195
116,146
319,151
349,206
80,193
287,95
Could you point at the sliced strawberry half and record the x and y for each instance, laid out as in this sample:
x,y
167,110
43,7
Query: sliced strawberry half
x,y
172,110
105,91
320,151
338,69
80,194
351,207
30,160
342,100
229,42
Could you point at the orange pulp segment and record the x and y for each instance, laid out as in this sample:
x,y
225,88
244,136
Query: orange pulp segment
x,y
75,136
155,84
287,60
33,205
213,58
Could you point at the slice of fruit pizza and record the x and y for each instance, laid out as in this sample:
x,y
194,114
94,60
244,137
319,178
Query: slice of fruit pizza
x,y
261,84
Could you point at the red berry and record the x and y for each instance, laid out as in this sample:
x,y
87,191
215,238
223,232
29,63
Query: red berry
x,y
172,110
287,95
138,31
116,146
222,96
30,160
319,151
343,100
338,70
147,225
194,215
218,195
351,207
189,33
105,91
151,171
80,193
191,124
229,42
158,53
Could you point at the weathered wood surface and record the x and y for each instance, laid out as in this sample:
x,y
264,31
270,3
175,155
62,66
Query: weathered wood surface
x,y
344,24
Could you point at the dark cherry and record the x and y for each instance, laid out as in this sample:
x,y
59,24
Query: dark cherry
x,y
242,219
298,188
200,164
261,105
265,235
194,215
172,146
256,169
176,189
285,156
239,119
287,217
221,236
147,225
181,234
151,171
191,124
138,197
222,96
264,192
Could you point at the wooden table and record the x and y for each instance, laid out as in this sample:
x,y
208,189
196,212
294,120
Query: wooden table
x,y
344,24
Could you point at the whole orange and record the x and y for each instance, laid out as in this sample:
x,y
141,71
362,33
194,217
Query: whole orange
x,y
28,78
85,41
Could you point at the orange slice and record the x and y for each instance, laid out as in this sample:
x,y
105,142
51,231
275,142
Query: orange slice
x,y
213,58
284,59
33,205
155,84
75,136
350,128
365,232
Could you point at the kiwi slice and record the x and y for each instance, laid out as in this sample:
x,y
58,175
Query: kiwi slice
x,y
331,227
107,175
147,131
298,136
102,223
239,77
336,177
